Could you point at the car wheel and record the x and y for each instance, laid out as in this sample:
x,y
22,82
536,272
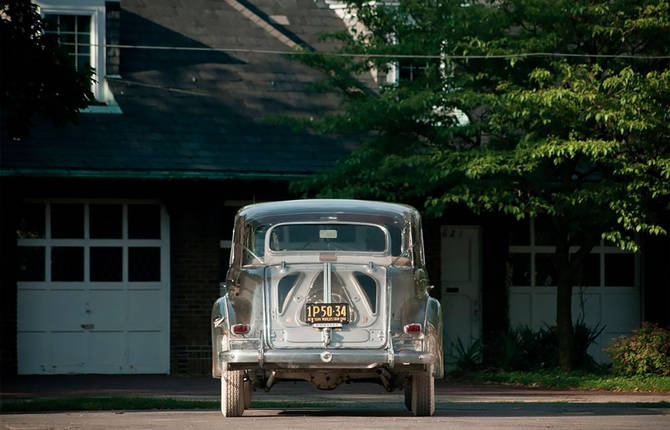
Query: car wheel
x,y
423,394
232,386
407,389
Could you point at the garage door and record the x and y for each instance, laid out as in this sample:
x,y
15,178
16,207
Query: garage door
x,y
606,294
93,287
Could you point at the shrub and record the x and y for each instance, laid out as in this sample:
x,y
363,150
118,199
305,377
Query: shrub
x,y
583,337
521,348
646,351
466,359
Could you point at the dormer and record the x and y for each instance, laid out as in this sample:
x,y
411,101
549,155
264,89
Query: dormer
x,y
84,28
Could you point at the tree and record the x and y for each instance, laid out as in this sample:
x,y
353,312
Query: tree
x,y
36,75
580,138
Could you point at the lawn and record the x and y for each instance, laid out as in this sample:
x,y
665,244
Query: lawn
x,y
576,380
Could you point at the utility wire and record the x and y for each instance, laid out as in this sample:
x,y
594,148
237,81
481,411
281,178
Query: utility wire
x,y
389,56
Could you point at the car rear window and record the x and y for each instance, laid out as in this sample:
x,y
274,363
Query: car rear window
x,y
328,237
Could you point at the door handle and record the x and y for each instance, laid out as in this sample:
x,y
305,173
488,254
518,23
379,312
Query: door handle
x,y
88,326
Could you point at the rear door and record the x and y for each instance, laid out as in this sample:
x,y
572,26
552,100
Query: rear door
x,y
290,288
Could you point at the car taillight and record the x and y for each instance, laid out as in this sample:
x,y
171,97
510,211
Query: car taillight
x,y
414,328
240,329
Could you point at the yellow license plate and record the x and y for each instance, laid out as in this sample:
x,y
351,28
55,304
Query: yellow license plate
x,y
327,313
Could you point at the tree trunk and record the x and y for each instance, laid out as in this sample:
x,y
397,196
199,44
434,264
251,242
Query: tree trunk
x,y
567,266
564,322
565,272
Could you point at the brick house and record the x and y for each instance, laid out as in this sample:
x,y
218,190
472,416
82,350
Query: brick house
x,y
115,231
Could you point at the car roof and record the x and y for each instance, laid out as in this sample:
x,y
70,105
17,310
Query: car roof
x,y
328,210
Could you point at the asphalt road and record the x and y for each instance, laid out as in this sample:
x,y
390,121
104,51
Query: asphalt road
x,y
350,407
517,413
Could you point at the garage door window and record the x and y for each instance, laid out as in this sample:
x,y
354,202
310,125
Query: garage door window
x,y
67,264
144,264
106,264
106,221
30,264
144,222
31,221
96,242
530,261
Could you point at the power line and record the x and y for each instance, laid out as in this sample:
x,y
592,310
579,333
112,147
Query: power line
x,y
387,56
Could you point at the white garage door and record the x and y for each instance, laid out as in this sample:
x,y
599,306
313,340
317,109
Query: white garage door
x,y
93,287
607,293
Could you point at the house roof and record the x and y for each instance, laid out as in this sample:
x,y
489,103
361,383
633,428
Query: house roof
x,y
200,114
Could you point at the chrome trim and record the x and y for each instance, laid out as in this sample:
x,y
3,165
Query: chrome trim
x,y
327,278
344,358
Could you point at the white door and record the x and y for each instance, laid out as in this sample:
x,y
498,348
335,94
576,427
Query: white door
x,y
461,287
93,287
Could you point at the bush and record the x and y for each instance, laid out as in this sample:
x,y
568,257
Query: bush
x,y
466,359
647,351
521,348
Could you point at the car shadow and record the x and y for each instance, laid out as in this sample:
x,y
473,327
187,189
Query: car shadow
x,y
482,409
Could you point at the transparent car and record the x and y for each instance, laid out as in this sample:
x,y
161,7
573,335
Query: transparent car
x,y
327,291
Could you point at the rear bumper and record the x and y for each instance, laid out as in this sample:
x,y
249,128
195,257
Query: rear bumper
x,y
322,358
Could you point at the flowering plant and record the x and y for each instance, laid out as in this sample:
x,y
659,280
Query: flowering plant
x,y
646,351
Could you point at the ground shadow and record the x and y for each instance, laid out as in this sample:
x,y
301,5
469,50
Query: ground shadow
x,y
488,409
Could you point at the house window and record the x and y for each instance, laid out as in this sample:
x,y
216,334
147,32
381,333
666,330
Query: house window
x,y
410,70
531,255
79,27
405,70
74,34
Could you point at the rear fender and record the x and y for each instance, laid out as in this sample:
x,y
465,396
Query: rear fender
x,y
433,332
222,314
427,311
242,303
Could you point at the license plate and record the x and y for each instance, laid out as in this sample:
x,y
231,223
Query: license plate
x,y
317,313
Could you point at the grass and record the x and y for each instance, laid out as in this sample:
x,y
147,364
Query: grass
x,y
577,380
134,404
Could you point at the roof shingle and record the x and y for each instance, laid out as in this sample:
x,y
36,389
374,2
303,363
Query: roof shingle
x,y
200,113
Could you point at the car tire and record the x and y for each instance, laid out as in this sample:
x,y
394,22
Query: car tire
x,y
423,394
247,393
407,390
232,386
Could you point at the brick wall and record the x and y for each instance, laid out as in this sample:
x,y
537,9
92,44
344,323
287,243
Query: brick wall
x,y
196,268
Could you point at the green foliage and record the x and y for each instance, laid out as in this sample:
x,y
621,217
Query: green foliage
x,y
647,351
576,380
522,348
36,76
581,140
465,358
